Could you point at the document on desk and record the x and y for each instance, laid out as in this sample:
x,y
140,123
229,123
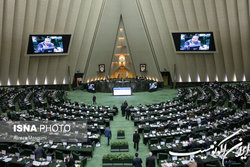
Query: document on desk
x,y
19,160
7,159
36,163
185,162
54,146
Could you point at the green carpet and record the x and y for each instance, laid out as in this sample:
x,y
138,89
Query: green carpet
x,y
120,122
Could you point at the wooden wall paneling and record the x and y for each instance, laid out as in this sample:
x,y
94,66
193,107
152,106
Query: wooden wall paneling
x,y
1,28
69,27
182,26
87,22
244,27
18,25
192,24
153,28
61,21
103,47
30,15
211,14
139,39
234,33
78,39
92,22
7,33
42,8
205,62
164,35
49,27
171,25
222,17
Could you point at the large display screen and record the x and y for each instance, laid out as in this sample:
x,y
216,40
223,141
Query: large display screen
x,y
122,91
194,41
48,44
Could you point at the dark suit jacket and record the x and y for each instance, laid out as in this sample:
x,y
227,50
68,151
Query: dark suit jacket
x,y
136,137
137,162
70,162
39,152
108,133
150,162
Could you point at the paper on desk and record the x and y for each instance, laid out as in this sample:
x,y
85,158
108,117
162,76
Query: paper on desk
x,y
54,146
20,159
44,163
36,163
159,147
7,159
185,162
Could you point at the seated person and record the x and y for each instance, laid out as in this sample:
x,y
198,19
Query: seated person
x,y
39,152
192,44
46,46
177,148
69,162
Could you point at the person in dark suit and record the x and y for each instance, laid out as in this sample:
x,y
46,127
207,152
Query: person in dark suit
x,y
94,99
207,144
137,161
200,163
69,162
123,109
108,134
136,139
150,161
125,104
39,152
177,148
127,113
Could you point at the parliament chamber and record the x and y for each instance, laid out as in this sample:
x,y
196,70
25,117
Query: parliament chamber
x,y
124,83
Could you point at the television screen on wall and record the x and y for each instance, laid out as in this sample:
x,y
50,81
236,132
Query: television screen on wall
x,y
185,42
48,44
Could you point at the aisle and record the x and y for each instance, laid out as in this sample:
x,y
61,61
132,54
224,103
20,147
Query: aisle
x,y
119,122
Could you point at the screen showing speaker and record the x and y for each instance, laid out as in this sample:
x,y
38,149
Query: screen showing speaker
x,y
48,44
194,42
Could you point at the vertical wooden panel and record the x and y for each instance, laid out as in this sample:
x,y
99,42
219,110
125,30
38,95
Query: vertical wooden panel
x,y
61,22
20,8
1,27
213,25
225,38
232,12
8,18
30,16
192,26
85,43
182,26
205,62
41,13
78,39
164,34
171,25
94,12
49,27
71,20
150,19
244,27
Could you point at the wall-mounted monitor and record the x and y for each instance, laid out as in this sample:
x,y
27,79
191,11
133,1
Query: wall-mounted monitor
x,y
48,44
194,42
